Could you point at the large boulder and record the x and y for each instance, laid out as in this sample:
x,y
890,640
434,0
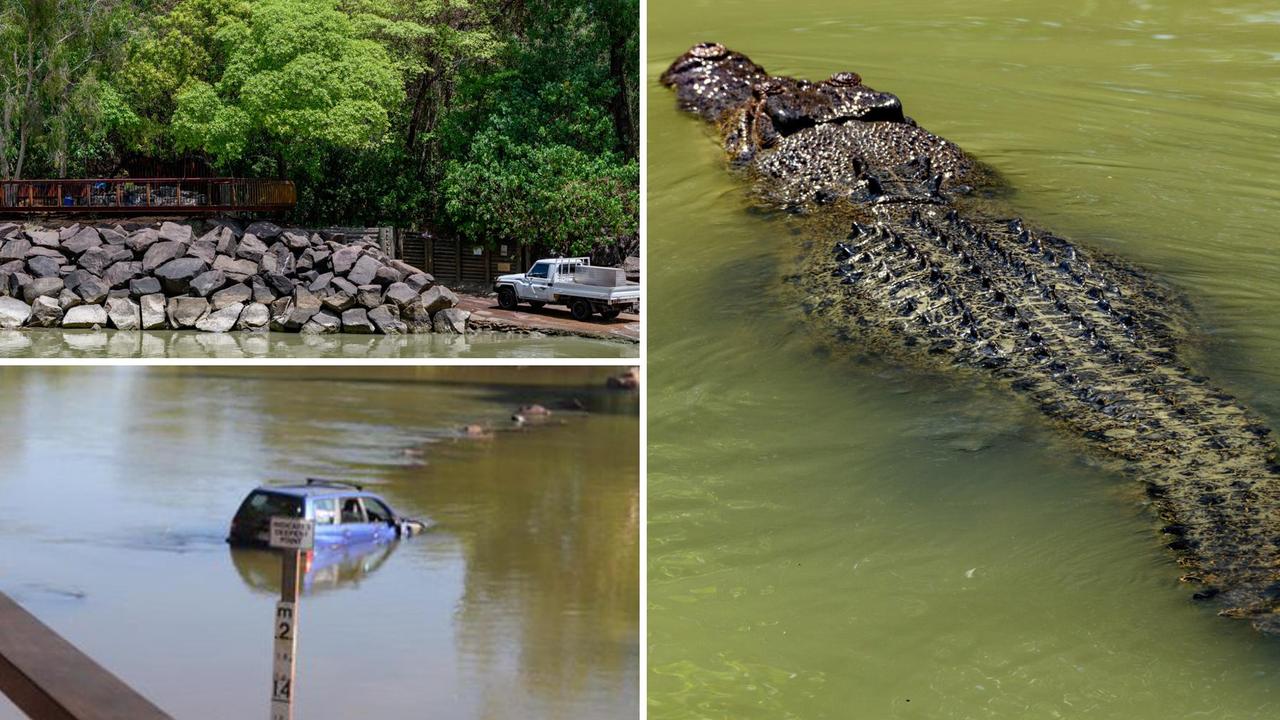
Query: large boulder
x,y
113,236
281,285
177,275
416,318
81,241
437,298
451,321
321,283
338,302
119,275
264,230
13,313
254,317
419,281
161,253
356,320
42,266
386,275
68,300
387,319
85,316
175,232
400,294
345,258
251,248
97,259
369,296
221,320
262,292
45,312
296,240
203,249
17,281
323,323
185,312
302,307
207,282
154,312
341,284
227,244
236,270
364,271
141,240
124,313
45,286
14,250
144,286
44,238
238,293
92,289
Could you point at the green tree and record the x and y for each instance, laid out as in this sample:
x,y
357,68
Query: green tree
x,y
52,53
543,148
298,81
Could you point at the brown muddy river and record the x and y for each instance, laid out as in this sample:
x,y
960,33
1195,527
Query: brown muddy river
x,y
522,601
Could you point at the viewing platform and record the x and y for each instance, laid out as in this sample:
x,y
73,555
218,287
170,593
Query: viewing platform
x,y
140,196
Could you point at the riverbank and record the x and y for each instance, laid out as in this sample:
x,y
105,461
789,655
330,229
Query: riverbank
x,y
485,314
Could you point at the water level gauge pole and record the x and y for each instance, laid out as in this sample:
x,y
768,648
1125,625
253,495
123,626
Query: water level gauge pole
x,y
292,536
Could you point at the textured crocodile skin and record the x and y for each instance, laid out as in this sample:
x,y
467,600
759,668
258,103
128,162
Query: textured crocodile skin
x,y
906,260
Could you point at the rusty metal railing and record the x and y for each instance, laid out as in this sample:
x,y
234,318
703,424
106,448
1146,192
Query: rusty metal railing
x,y
171,196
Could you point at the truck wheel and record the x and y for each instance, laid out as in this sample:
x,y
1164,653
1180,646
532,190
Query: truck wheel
x,y
507,299
581,309
610,314
536,304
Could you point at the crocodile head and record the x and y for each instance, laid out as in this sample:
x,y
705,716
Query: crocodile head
x,y
711,80
756,109
833,138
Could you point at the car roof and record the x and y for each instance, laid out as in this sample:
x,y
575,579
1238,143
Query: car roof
x,y
315,490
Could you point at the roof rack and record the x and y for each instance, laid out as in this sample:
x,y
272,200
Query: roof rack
x,y
326,481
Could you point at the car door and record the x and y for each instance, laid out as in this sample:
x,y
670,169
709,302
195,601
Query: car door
x,y
381,519
325,514
539,279
355,525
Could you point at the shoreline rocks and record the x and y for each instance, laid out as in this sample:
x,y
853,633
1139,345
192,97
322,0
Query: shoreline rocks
x,y
214,276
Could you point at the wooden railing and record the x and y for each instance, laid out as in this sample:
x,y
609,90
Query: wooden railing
x,y
49,679
170,196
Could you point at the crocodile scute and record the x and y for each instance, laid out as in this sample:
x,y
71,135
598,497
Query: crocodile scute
x,y
911,255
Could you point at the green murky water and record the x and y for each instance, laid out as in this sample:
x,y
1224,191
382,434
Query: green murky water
x,y
849,541
39,343
119,484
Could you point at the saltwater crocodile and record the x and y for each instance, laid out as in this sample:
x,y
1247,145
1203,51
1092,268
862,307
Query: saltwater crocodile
x,y
909,255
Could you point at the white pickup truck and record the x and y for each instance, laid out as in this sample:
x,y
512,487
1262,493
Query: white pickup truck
x,y
573,282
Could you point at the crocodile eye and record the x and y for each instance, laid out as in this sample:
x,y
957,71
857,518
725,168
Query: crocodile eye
x,y
708,51
845,78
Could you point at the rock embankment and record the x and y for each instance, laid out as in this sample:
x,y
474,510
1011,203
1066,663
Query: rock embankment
x,y
260,277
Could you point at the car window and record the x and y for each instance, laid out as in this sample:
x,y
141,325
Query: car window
x,y
352,512
377,511
539,270
326,511
260,506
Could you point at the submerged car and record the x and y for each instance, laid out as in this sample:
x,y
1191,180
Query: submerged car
x,y
344,514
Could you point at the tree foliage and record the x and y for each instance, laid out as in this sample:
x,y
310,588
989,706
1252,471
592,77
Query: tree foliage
x,y
499,119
